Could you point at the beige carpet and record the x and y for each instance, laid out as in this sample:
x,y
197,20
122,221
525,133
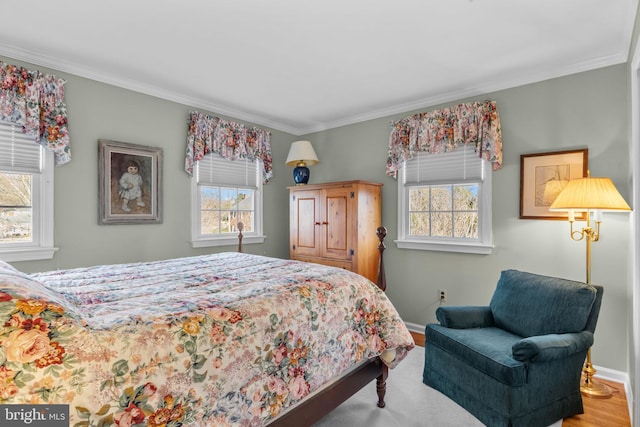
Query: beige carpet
x,y
410,403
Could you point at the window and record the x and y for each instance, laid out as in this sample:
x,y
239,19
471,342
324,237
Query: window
x,y
444,202
225,192
26,197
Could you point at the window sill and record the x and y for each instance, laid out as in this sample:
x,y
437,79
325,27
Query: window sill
x,y
470,248
26,254
226,241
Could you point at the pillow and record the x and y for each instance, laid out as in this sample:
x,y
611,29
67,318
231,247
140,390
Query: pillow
x,y
7,268
529,304
19,285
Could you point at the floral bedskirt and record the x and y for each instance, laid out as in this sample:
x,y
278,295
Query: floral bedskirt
x,y
223,339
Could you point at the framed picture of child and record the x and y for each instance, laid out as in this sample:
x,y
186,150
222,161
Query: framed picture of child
x,y
130,183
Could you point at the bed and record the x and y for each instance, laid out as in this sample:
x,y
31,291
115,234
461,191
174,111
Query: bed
x,y
222,339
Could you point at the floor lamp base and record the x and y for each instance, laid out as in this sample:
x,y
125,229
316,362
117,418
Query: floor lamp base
x,y
591,388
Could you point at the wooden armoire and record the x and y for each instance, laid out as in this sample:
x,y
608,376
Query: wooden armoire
x,y
335,224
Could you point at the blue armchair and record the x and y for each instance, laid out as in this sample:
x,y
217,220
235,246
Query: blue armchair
x,y
518,361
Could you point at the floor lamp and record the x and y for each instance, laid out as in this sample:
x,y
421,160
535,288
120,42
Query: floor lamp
x,y
589,195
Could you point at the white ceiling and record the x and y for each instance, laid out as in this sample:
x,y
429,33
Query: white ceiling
x,y
302,66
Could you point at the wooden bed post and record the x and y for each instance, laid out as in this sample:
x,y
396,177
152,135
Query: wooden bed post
x,y
381,281
240,228
381,385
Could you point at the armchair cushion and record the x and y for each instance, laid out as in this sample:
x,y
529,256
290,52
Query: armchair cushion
x,y
544,348
528,304
486,349
462,317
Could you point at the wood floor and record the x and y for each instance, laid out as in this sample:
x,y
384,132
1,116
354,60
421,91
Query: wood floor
x,y
612,412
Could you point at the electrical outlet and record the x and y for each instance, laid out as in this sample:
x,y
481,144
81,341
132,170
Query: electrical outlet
x,y
442,295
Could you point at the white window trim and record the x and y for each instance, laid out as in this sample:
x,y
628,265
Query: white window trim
x,y
484,244
43,224
200,241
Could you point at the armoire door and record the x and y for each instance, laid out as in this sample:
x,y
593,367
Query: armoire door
x,y
336,233
306,223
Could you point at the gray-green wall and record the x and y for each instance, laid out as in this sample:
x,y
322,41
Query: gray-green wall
x,y
101,111
587,110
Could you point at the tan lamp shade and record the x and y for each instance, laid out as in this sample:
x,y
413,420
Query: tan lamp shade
x,y
589,194
301,152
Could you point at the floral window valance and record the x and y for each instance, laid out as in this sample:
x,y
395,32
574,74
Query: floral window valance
x,y
445,130
36,102
229,140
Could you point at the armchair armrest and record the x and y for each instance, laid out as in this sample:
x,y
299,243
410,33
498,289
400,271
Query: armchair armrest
x,y
549,347
464,317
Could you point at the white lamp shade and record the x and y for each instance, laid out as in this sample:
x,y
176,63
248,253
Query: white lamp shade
x,y
302,151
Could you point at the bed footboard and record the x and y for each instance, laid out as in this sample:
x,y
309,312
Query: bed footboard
x,y
313,409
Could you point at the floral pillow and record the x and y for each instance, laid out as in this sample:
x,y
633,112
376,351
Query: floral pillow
x,y
18,286
8,268
36,324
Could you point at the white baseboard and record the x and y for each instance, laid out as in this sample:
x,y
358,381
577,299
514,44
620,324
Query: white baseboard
x,y
611,375
414,327
618,377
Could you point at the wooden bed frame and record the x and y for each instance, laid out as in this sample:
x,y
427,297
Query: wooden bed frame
x,y
327,399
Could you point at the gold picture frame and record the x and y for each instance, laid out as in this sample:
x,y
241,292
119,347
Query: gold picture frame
x,y
543,176
130,183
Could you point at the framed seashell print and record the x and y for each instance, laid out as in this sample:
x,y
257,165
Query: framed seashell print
x,y
543,176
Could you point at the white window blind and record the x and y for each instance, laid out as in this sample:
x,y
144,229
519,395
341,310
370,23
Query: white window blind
x,y
18,152
454,166
215,170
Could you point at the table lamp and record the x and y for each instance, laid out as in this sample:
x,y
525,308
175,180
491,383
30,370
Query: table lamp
x,y
300,155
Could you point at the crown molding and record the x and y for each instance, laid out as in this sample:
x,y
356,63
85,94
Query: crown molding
x,y
59,64
497,83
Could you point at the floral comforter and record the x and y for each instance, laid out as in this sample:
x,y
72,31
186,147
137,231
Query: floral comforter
x,y
222,339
